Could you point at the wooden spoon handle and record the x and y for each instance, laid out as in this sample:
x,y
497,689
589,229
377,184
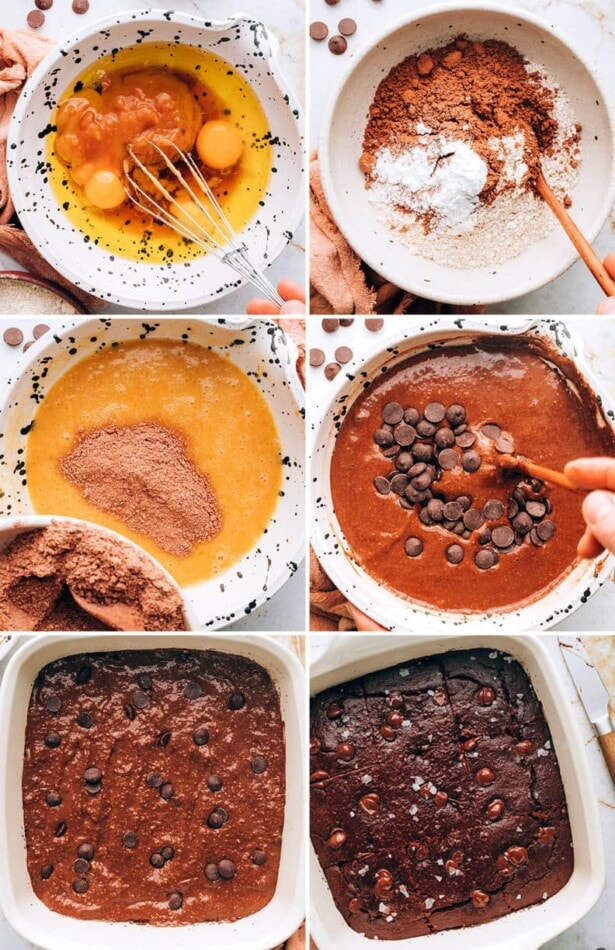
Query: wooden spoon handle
x,y
607,744
579,240
520,464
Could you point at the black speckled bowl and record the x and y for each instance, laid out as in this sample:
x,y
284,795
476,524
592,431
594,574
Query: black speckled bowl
x,y
248,47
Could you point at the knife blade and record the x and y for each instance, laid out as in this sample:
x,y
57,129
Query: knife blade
x,y
593,695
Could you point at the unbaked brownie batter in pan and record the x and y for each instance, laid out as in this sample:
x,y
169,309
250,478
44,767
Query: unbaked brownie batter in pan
x,y
154,786
436,797
416,485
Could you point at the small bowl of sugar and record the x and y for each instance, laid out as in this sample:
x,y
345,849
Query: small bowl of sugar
x,y
432,143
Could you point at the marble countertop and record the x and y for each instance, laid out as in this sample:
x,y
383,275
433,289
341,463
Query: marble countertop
x,y
588,24
287,608
598,338
286,21
596,930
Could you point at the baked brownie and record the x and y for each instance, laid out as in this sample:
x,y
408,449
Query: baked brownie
x,y
154,786
449,810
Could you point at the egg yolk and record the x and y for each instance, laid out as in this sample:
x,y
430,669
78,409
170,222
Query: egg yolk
x,y
105,190
219,144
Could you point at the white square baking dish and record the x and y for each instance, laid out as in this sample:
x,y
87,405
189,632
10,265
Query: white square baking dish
x,y
51,931
350,657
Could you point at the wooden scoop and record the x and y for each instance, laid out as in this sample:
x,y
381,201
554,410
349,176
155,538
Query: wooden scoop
x,y
578,239
117,616
517,463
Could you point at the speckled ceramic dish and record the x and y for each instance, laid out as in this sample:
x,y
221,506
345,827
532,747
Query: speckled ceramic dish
x,y
343,126
377,601
261,350
249,48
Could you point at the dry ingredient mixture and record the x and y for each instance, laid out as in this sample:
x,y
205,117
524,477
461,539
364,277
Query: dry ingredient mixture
x,y
453,144
143,475
42,568
154,786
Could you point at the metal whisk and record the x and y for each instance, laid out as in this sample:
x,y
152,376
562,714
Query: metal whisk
x,y
219,238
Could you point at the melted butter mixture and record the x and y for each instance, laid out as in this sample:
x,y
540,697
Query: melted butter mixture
x,y
218,411
149,95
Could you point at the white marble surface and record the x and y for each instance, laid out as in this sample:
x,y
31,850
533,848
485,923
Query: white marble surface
x,y
588,24
286,610
598,336
597,929
286,21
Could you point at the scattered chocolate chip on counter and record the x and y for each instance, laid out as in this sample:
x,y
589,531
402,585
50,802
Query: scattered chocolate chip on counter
x,y
35,19
338,45
347,26
319,30
13,336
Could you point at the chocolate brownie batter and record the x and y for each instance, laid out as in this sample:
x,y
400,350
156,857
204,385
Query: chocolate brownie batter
x,y
154,786
436,797
416,485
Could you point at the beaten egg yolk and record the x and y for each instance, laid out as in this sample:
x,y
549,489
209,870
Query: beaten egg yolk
x,y
219,144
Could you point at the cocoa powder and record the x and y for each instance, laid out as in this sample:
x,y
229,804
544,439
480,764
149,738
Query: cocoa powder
x,y
41,569
466,90
143,475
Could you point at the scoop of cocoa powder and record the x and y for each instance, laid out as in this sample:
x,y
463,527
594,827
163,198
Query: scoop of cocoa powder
x,y
143,475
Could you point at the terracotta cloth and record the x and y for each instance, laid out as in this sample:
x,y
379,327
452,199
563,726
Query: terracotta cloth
x,y
20,54
328,606
340,282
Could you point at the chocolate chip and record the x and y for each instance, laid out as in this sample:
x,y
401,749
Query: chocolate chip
x,y
399,483
336,839
404,434
81,866
452,511
334,711
338,45
53,799
129,712
381,485
317,357
39,330
145,681
193,690
536,509
491,431
522,523
411,416
81,6
80,886
211,872
480,899
60,830
260,764
465,440
435,509
440,799
168,853
421,482
545,530
43,4
485,558
236,701
53,704
473,519
536,539
154,780
444,438
175,901
513,508
214,783
346,321
217,818
166,791
130,840
493,509
156,860
93,788
413,547
387,733
390,451
505,443
425,429
46,872
383,437
85,720
92,775
503,536
319,30
35,19
423,452
465,501
85,851
200,736
331,370
330,325
347,26
454,554
374,324
485,777
343,354
517,855
525,747
163,739
392,413
434,412
448,460
520,496
470,461
52,740
495,809
456,414
484,536
259,857
140,699
485,696
226,869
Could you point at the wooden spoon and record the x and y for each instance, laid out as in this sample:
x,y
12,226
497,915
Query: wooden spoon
x,y
578,239
517,463
117,616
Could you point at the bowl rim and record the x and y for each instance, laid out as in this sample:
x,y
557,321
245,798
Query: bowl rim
x,y
63,263
417,615
407,20
337,658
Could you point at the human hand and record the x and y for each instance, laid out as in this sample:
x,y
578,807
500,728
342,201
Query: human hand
x,y
597,474
292,294
608,304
